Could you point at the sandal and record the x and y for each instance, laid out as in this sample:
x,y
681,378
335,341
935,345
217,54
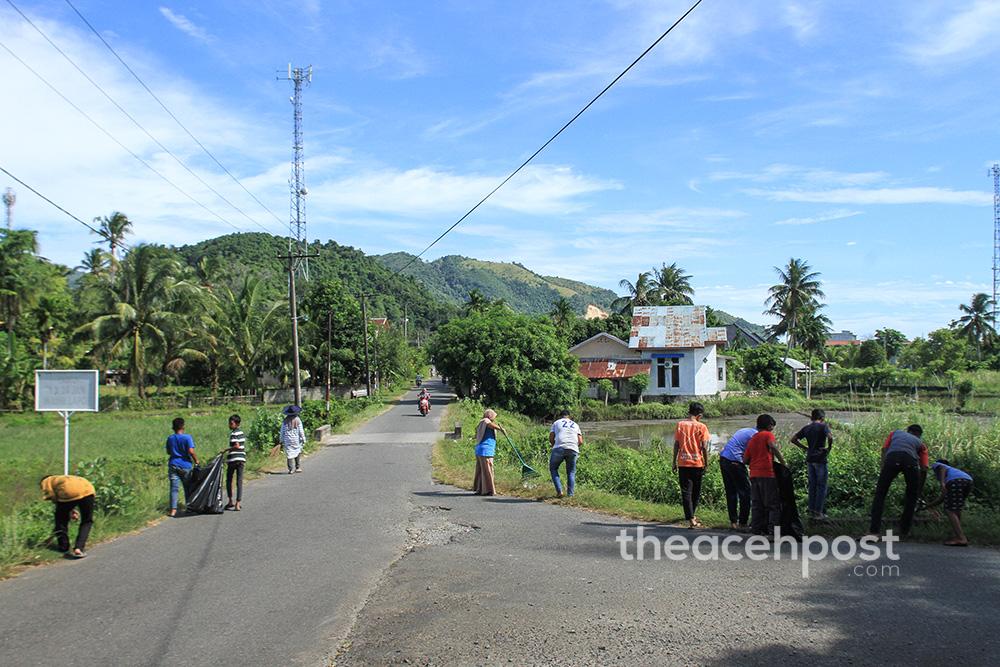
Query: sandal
x,y
955,543
77,553
230,506
239,507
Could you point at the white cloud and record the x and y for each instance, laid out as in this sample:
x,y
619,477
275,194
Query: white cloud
x,y
839,214
186,25
538,189
862,196
798,174
953,33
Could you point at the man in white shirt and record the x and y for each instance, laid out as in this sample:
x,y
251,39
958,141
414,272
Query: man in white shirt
x,y
565,438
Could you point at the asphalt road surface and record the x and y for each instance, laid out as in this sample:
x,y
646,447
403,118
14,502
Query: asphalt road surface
x,y
362,560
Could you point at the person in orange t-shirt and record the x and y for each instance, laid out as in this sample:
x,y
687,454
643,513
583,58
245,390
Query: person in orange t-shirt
x,y
690,457
765,500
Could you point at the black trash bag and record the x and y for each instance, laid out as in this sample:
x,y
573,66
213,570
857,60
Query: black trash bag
x,y
791,524
204,488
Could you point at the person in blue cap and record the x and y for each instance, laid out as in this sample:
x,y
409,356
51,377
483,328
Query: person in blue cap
x,y
292,438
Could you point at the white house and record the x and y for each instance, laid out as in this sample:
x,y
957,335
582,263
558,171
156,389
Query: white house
x,y
682,350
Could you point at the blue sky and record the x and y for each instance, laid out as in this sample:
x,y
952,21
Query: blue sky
x,y
855,135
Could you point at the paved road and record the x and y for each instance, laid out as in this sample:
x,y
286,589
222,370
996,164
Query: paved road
x,y
279,583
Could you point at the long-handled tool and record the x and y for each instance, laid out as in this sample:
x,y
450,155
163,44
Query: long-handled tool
x,y
526,470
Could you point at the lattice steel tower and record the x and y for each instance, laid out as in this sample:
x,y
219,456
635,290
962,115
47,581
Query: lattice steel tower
x,y
8,204
995,171
299,76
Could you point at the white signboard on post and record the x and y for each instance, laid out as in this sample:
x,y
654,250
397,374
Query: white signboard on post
x,y
66,392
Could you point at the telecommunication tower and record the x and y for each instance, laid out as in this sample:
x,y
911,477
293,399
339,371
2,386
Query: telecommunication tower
x,y
299,76
995,171
8,203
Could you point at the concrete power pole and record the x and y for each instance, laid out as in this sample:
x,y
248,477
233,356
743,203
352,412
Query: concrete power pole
x,y
9,198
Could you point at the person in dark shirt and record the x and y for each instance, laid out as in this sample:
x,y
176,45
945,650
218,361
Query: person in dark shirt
x,y
819,441
903,452
955,488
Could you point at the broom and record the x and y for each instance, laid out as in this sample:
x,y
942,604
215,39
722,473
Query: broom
x,y
526,470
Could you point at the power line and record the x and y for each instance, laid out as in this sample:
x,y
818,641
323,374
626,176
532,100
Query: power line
x,y
113,138
99,232
171,114
551,139
132,118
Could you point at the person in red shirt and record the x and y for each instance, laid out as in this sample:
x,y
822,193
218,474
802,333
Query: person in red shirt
x,y
760,454
690,457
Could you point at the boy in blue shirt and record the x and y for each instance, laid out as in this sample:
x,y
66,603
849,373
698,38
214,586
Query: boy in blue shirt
x,y
955,488
181,458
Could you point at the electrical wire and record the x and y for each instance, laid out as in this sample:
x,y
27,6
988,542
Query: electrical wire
x,y
551,139
131,117
174,117
113,138
99,232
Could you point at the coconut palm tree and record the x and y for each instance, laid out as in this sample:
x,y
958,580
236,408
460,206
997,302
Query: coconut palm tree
x,y
137,309
562,314
799,291
977,324
244,330
641,293
94,263
113,229
672,286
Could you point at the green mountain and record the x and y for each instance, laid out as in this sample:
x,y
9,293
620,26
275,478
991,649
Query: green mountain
x,y
451,278
389,294
724,318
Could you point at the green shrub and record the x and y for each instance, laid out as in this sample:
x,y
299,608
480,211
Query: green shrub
x,y
112,494
264,431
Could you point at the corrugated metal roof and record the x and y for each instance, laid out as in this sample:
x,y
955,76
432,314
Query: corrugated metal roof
x,y
672,327
613,370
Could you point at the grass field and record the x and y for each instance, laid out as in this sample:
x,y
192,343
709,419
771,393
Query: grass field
x,y
641,485
122,453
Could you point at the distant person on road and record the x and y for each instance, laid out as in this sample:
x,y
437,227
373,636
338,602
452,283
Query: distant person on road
x,y
181,458
236,460
292,438
819,441
736,479
74,499
690,458
486,449
566,438
765,501
902,452
955,488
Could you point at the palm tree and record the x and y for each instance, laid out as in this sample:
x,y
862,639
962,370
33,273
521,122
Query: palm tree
x,y
138,309
562,313
113,229
477,303
642,293
799,291
977,324
94,262
673,286
245,330
19,287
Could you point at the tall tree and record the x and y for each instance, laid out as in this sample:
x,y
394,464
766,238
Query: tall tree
x,y
94,262
137,309
562,315
640,293
19,287
114,228
672,286
976,325
798,292
892,341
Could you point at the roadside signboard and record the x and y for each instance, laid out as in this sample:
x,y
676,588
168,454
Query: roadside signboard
x,y
66,392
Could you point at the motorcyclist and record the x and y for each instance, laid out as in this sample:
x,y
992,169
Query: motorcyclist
x,y
424,395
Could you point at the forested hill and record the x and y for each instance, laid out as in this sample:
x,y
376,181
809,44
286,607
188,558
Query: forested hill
x,y
359,274
451,278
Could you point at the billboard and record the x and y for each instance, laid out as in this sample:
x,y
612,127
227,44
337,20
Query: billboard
x,y
66,391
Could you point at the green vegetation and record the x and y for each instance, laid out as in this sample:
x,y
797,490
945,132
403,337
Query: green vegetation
x,y
640,483
451,278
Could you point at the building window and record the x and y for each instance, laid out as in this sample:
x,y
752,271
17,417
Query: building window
x,y
722,373
668,371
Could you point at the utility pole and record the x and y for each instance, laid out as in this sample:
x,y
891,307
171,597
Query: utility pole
x,y
995,172
8,202
405,339
368,371
293,265
329,324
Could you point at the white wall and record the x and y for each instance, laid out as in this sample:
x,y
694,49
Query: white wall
x,y
706,381
698,373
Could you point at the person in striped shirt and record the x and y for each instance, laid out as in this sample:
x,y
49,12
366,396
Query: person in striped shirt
x,y
236,459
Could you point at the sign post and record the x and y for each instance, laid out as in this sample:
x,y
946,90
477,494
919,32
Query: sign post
x,y
66,392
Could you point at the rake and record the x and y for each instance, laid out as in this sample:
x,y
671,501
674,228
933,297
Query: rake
x,y
526,470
